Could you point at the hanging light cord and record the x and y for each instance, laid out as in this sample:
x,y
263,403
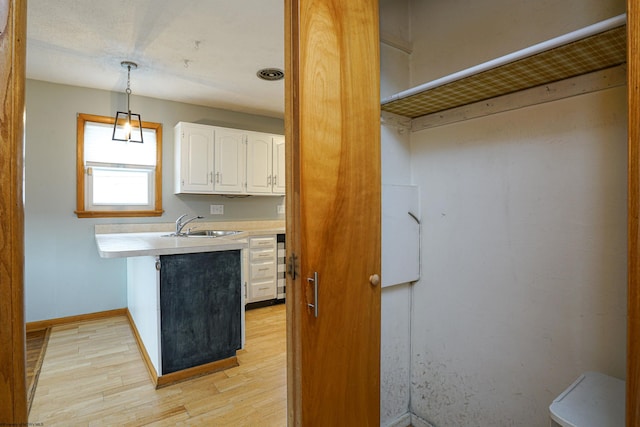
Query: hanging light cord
x,y
128,91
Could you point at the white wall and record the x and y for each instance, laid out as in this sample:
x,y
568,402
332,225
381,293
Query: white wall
x,y
524,259
524,240
64,275
452,35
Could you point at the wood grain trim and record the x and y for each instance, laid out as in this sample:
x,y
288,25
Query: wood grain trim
x,y
158,177
44,324
80,190
32,382
633,206
197,371
13,390
183,375
117,214
80,161
143,351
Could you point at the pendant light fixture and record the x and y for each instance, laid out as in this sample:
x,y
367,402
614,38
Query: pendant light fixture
x,y
127,125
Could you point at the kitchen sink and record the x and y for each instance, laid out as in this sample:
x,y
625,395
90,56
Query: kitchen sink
x,y
205,233
211,233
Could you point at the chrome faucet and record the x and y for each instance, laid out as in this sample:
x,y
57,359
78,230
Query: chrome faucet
x,y
180,224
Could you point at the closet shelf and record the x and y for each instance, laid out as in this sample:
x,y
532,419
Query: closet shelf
x,y
596,47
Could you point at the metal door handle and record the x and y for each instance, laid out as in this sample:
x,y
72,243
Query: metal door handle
x,y
314,279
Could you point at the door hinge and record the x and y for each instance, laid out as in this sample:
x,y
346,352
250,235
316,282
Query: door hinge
x,y
292,266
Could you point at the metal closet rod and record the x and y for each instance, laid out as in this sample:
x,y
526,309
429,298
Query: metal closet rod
x,y
564,39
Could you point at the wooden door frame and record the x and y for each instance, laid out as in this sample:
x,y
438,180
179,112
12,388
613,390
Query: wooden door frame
x,y
12,353
13,395
633,212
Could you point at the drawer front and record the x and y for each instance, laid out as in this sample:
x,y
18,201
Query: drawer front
x,y
262,242
263,290
262,255
265,270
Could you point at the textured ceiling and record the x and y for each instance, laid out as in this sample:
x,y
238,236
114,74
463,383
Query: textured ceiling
x,y
203,52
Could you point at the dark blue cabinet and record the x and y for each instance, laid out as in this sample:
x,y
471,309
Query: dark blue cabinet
x,y
200,308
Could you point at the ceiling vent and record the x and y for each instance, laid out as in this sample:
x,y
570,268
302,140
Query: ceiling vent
x,y
270,74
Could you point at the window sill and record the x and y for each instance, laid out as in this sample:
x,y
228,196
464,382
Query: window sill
x,y
117,214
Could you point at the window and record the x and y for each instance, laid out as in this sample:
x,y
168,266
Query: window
x,y
117,178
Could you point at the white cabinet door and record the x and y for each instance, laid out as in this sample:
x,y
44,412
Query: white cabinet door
x,y
278,165
229,170
265,164
259,163
193,158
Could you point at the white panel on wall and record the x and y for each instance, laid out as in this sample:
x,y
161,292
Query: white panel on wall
x,y
400,234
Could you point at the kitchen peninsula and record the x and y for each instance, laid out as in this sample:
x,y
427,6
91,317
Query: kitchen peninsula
x,y
185,297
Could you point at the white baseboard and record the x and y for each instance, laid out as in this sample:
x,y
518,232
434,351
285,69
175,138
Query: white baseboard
x,y
407,420
401,421
416,421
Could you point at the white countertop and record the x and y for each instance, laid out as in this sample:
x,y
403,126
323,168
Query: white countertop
x,y
131,240
121,245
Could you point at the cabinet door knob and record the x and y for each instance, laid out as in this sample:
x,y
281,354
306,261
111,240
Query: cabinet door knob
x,y
374,279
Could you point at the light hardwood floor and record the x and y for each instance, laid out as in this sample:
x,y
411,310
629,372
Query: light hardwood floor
x,y
93,375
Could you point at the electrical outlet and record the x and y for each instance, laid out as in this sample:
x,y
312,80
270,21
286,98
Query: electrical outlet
x,y
280,209
216,209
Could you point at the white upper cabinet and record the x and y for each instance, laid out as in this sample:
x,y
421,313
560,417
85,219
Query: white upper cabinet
x,y
193,158
229,169
218,160
265,164
259,163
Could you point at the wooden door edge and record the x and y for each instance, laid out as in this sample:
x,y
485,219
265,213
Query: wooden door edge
x,y
13,391
294,398
633,206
